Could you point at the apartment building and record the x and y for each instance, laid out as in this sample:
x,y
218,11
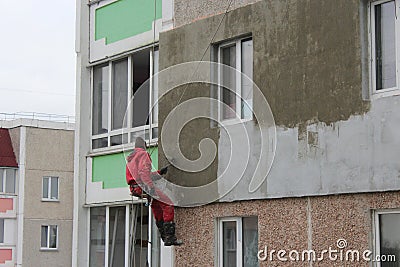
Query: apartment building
x,y
36,199
329,177
117,48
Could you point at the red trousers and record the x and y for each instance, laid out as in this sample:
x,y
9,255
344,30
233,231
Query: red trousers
x,y
162,210
162,207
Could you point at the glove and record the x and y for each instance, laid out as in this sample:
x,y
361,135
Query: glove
x,y
164,170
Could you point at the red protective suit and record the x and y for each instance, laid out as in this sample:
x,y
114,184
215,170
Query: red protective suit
x,y
138,175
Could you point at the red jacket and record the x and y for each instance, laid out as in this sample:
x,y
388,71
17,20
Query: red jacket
x,y
138,168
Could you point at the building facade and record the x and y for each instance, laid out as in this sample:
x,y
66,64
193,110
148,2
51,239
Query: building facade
x,y
37,193
328,70
329,73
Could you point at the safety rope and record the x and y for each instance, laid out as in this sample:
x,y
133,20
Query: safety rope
x,y
205,51
134,219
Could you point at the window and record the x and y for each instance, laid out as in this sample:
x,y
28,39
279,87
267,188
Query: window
x,y
115,121
384,61
1,230
119,236
50,188
235,79
7,180
387,238
97,236
49,236
238,242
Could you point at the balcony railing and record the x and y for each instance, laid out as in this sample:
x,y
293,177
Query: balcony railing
x,y
37,116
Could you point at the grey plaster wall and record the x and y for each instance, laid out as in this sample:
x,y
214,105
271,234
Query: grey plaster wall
x,y
35,208
309,62
34,256
49,152
49,149
357,155
189,11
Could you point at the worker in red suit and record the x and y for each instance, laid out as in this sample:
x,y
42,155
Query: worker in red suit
x,y
139,178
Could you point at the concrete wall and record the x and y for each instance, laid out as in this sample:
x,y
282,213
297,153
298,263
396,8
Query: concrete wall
x,y
55,146
34,256
332,136
15,137
35,208
49,152
289,224
189,11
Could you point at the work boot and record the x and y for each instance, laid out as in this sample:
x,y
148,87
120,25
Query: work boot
x,y
160,226
170,238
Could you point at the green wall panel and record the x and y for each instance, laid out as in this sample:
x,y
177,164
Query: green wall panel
x,y
110,169
125,18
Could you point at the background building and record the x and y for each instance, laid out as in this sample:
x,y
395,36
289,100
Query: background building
x,y
36,193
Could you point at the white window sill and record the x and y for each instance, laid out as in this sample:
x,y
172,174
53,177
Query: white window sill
x,y
118,148
49,249
8,194
50,200
385,93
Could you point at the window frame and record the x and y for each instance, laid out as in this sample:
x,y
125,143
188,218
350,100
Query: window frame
x,y
376,228
372,45
238,79
128,129
3,230
128,207
47,248
3,175
49,183
239,239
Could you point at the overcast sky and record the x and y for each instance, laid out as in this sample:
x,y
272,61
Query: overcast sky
x,y
37,67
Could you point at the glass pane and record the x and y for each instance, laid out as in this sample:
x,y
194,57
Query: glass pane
x,y
10,181
140,236
385,45
250,241
229,244
99,143
116,251
53,236
45,187
229,82
247,84
2,175
119,93
390,237
97,236
155,88
54,188
119,140
1,230
100,99
43,242
141,100
144,134
154,133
